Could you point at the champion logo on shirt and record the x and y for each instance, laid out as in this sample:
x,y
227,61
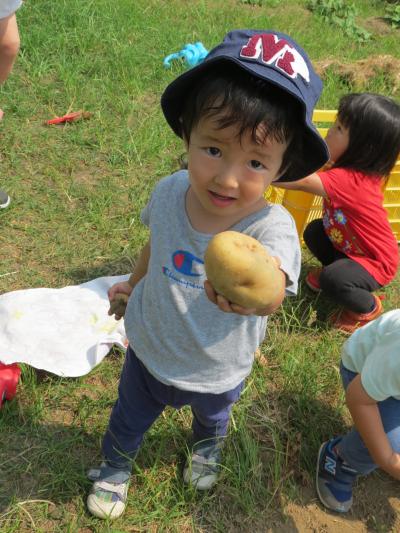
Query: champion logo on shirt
x,y
186,263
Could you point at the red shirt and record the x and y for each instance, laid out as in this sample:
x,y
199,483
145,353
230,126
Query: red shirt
x,y
357,223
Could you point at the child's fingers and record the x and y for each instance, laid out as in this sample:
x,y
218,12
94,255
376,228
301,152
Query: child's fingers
x,y
113,308
211,294
117,289
223,304
243,310
118,305
111,292
277,260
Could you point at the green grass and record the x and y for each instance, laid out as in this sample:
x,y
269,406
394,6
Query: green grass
x,y
77,192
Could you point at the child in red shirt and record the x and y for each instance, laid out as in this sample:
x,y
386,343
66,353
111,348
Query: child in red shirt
x,y
353,240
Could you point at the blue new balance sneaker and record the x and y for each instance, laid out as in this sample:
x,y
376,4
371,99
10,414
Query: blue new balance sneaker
x,y
334,478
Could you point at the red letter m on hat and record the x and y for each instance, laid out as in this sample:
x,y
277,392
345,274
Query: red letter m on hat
x,y
273,50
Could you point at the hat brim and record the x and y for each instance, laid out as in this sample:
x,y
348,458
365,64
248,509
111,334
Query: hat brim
x,y
315,150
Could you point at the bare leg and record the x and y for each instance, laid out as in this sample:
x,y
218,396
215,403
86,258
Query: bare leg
x,y
9,46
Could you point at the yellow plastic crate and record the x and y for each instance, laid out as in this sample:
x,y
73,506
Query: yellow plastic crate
x,y
305,207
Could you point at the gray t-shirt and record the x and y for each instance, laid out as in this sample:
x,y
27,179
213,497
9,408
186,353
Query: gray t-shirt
x,y
181,337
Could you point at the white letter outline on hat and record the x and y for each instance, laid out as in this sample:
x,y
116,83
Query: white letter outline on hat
x,y
278,52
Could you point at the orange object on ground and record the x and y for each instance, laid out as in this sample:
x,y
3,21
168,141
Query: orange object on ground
x,y
69,117
348,321
9,376
312,279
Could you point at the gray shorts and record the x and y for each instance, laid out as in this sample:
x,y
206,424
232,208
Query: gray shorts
x,y
8,7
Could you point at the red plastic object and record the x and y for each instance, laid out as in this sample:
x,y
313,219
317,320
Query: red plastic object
x,y
9,376
70,117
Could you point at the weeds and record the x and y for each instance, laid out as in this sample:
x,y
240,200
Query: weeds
x,y
392,15
341,14
261,3
77,194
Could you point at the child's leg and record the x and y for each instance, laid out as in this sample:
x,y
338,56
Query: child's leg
x,y
350,285
133,413
319,243
211,414
9,45
342,459
351,447
210,424
334,478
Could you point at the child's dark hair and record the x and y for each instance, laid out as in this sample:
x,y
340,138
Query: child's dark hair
x,y
234,97
373,122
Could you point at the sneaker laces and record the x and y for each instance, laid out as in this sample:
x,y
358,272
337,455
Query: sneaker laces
x,y
206,458
110,492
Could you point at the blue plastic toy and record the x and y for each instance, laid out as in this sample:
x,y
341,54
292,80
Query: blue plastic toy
x,y
192,53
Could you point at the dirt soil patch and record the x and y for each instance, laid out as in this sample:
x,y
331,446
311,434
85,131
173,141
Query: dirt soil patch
x,y
377,25
376,509
358,73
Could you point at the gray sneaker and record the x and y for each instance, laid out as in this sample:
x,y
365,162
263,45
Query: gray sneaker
x,y
108,496
334,478
4,199
202,469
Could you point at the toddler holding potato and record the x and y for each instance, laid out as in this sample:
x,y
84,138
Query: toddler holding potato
x,y
244,115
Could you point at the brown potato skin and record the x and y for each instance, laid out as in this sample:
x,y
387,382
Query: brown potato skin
x,y
239,268
118,304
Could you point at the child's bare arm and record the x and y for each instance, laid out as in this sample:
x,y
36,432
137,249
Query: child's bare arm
x,y
126,287
367,420
311,184
141,266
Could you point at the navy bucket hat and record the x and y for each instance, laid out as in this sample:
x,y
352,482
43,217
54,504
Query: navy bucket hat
x,y
275,58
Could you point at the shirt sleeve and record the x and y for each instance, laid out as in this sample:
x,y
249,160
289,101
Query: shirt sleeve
x,y
280,238
145,214
146,211
338,186
380,375
373,351
175,182
9,7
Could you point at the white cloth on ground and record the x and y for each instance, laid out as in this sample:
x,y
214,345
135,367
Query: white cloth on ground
x,y
64,331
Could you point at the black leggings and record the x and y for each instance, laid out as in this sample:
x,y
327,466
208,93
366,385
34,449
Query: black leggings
x,y
344,280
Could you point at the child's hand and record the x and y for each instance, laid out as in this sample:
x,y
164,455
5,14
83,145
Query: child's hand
x,y
229,307
118,295
118,305
226,306
393,465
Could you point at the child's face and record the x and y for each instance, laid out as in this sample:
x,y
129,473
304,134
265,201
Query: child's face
x,y
337,140
228,174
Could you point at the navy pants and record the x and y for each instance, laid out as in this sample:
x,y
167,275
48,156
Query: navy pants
x,y
344,280
141,400
352,448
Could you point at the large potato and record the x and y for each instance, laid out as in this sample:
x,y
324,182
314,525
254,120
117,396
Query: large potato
x,y
239,268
